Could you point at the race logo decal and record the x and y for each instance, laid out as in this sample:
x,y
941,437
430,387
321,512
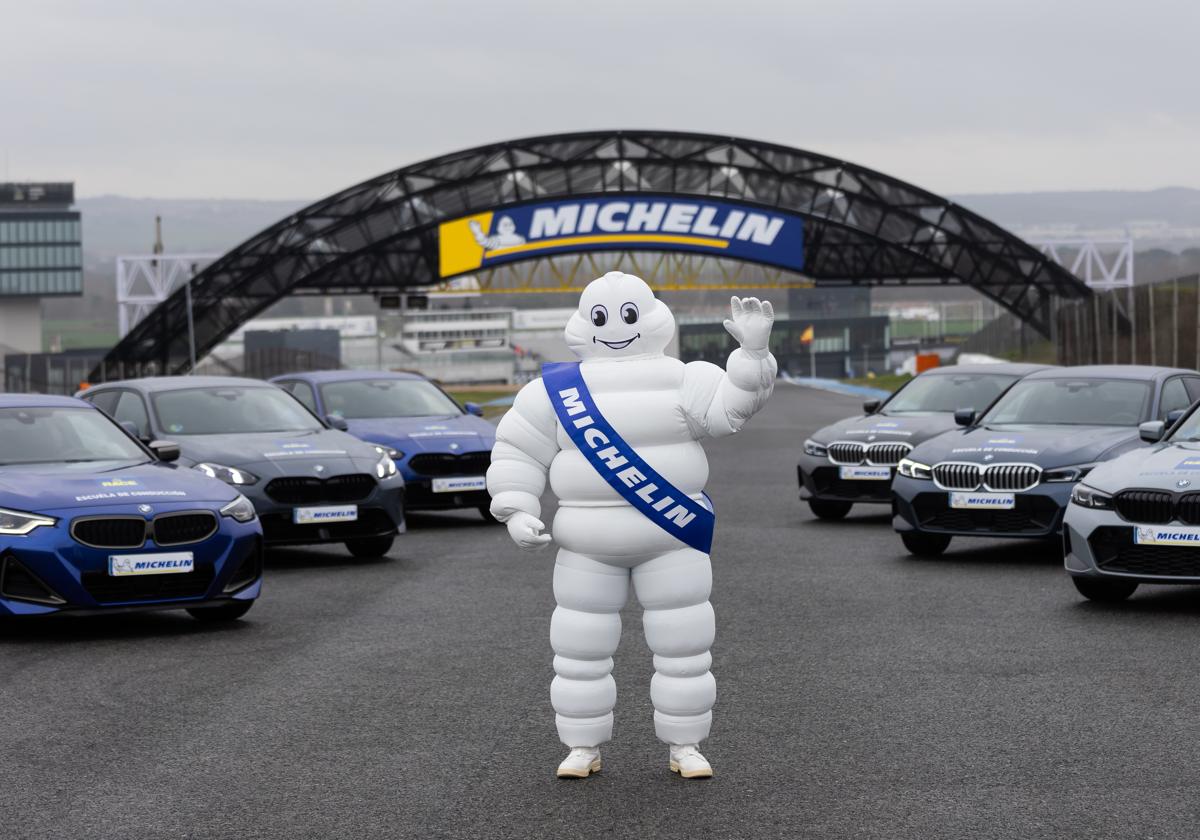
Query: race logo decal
x,y
119,482
647,222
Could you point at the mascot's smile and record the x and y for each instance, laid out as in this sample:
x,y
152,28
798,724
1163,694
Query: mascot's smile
x,y
617,345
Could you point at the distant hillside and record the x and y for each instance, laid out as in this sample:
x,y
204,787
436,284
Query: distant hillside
x,y
1165,224
114,225
1157,218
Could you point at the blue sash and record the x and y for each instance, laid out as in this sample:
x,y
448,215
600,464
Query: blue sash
x,y
617,463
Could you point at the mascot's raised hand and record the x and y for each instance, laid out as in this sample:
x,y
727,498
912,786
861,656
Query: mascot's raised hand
x,y
750,324
617,434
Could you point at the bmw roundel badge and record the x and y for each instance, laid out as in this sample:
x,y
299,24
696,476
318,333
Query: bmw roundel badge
x,y
145,509
1183,482
319,468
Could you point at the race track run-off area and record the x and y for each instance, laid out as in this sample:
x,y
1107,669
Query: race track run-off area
x,y
861,693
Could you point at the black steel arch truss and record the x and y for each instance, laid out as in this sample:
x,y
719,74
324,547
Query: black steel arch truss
x,y
861,227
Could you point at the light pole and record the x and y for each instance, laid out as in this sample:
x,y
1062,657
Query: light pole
x,y
187,291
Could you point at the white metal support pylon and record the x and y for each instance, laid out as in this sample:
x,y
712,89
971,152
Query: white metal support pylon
x,y
146,280
1101,263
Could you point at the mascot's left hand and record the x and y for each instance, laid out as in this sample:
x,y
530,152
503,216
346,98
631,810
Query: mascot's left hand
x,y
751,324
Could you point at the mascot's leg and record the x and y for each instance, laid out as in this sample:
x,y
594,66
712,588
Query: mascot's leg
x,y
584,633
673,589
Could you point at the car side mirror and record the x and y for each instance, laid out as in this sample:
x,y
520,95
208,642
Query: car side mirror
x,y
165,450
473,408
1152,431
871,406
336,422
134,431
964,416
1173,416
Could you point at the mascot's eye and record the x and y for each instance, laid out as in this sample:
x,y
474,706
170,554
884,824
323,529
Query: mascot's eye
x,y
629,313
599,315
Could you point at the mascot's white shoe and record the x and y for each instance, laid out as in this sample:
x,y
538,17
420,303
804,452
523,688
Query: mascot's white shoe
x,y
687,761
580,763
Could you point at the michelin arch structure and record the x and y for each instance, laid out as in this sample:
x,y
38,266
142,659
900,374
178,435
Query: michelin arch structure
x,y
551,213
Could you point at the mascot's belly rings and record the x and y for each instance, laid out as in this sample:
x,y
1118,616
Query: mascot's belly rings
x,y
617,435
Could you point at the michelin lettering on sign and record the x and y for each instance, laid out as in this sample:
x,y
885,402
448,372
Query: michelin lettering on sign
x,y
645,222
1149,535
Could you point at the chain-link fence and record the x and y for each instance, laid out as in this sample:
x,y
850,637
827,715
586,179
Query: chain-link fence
x,y
1144,325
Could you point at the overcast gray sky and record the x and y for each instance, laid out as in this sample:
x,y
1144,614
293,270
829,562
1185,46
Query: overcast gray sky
x,y
296,99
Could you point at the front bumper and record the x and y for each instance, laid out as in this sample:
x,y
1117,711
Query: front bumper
x,y
920,505
1099,544
380,513
819,479
47,571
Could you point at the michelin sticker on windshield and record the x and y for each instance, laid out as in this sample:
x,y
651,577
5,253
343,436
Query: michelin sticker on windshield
x,y
1151,535
658,223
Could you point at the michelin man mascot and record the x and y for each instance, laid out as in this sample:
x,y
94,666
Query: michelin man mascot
x,y
618,433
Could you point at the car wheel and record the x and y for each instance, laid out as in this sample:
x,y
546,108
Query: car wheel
x,y
925,545
1103,590
828,509
226,612
486,512
370,546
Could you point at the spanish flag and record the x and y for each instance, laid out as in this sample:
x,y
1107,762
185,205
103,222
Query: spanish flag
x,y
806,337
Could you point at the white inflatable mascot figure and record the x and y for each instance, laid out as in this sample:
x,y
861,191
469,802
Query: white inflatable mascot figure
x,y
618,435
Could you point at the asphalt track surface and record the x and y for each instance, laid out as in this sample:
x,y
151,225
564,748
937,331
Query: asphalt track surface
x,y
862,693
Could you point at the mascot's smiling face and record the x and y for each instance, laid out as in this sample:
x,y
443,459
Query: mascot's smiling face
x,y
619,317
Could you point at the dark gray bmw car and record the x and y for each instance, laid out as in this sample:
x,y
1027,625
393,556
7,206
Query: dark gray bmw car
x,y
1011,472
310,483
854,460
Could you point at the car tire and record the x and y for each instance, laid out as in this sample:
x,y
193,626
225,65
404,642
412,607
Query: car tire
x,y
1103,590
925,545
829,509
219,615
486,512
370,546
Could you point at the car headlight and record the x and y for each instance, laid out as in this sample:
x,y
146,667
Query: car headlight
x,y
914,469
1090,497
241,509
230,475
819,450
1068,473
13,523
386,468
390,451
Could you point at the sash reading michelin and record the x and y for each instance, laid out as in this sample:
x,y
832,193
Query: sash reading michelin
x,y
617,463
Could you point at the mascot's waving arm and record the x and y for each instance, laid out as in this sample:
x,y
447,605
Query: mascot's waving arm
x,y
719,402
525,446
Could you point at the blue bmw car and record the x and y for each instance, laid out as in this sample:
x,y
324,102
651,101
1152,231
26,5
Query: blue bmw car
x,y
93,521
442,449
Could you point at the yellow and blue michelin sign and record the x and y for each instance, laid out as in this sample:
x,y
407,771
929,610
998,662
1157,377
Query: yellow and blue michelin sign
x,y
620,222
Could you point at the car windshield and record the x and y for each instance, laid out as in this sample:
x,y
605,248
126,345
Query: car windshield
x,y
1188,431
230,410
949,392
1072,402
62,435
364,399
